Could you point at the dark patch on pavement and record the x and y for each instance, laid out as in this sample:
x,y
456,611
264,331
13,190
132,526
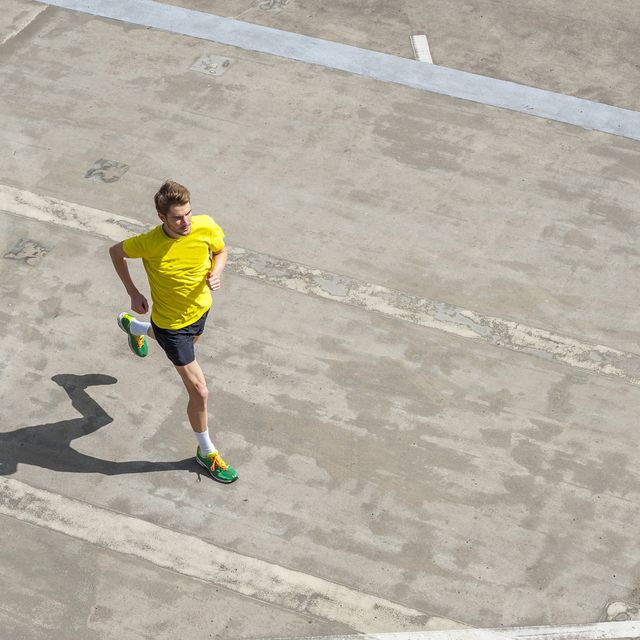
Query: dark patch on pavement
x,y
106,170
28,251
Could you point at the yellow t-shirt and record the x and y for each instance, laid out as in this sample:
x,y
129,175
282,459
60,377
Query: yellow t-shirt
x,y
177,270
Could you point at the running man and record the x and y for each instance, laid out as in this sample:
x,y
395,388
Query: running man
x,y
184,258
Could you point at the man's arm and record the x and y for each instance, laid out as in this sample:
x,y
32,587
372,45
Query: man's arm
x,y
219,262
139,303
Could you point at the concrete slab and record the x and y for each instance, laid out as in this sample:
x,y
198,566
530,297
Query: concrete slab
x,y
449,476
54,584
586,49
593,116
375,451
436,186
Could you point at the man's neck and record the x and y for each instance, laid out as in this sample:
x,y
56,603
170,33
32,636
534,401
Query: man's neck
x,y
169,233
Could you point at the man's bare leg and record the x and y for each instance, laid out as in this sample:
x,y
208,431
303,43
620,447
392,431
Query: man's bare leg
x,y
206,455
196,385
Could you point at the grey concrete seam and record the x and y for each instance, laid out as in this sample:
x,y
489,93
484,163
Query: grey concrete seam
x,y
433,314
364,62
596,631
191,556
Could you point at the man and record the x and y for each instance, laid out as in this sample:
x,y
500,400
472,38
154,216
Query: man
x,y
184,258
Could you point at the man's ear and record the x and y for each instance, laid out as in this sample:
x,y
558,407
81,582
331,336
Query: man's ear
x,y
162,216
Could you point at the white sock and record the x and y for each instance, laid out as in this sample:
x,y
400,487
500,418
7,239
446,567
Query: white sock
x,y
139,327
204,441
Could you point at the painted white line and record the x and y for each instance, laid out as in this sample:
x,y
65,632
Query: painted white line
x,y
373,64
596,631
191,556
424,312
420,46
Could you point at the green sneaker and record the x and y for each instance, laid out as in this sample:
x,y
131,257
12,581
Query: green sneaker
x,y
137,344
218,469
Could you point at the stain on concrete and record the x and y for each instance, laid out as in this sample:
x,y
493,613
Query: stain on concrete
x,y
100,614
51,307
576,238
520,267
559,404
496,438
555,552
498,400
620,611
543,430
535,459
561,191
26,250
614,214
107,171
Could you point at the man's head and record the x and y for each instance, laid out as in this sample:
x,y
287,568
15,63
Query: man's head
x,y
173,204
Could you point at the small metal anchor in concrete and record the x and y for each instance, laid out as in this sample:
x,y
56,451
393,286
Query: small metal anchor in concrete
x,y
212,65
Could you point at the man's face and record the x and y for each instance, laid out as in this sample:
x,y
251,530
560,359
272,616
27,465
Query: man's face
x,y
177,222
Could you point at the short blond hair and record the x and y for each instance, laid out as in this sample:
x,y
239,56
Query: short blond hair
x,y
170,194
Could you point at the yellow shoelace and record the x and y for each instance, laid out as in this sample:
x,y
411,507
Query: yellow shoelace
x,y
139,341
217,461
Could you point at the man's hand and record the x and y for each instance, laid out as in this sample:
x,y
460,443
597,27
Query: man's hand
x,y
139,303
119,258
213,281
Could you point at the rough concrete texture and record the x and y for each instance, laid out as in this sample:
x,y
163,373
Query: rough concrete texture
x,y
452,476
79,592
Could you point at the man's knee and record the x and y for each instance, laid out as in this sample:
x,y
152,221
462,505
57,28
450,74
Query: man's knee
x,y
194,381
198,390
202,391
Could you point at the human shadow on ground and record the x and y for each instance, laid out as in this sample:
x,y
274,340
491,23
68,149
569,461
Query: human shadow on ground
x,y
49,445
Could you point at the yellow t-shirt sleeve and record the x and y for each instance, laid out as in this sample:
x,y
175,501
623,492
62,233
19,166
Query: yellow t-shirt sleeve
x,y
216,237
136,247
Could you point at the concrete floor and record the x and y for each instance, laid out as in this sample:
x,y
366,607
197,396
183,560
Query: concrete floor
x,y
453,477
583,48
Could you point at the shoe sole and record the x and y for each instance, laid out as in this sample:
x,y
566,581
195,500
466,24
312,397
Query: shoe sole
x,y
130,338
202,464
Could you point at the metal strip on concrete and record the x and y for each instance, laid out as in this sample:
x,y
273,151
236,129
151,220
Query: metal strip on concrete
x,y
627,629
433,314
373,64
191,556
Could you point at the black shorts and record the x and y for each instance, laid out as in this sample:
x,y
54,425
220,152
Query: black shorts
x,y
178,343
